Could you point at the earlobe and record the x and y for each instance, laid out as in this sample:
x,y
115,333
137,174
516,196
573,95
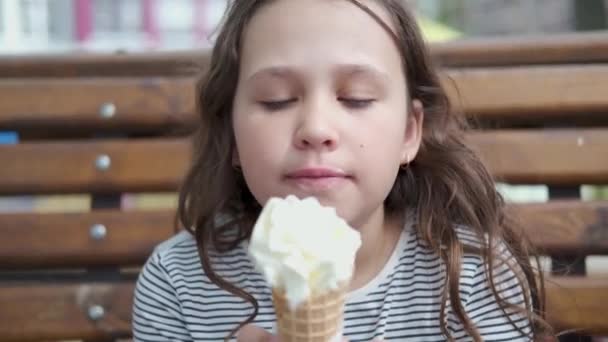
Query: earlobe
x,y
405,164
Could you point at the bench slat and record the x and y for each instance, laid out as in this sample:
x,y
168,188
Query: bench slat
x,y
56,311
513,95
70,167
558,157
578,303
76,104
555,157
63,240
59,311
107,64
589,47
561,48
566,227
537,94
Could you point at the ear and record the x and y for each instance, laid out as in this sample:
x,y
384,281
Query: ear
x,y
413,132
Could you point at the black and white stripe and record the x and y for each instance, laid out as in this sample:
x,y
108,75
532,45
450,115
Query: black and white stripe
x,y
175,301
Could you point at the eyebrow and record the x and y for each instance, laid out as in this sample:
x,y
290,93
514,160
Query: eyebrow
x,y
341,70
274,71
361,69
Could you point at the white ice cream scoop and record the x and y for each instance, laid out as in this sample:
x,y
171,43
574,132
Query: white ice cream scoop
x,y
303,248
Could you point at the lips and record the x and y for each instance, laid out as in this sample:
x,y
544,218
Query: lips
x,y
317,179
317,173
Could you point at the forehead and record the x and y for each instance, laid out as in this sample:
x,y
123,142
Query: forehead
x,y
318,33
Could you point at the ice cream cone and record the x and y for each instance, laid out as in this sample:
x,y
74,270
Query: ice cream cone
x,y
318,319
302,270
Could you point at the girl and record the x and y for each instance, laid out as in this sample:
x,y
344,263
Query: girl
x,y
337,99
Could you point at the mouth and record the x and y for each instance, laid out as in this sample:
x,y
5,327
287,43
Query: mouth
x,y
317,179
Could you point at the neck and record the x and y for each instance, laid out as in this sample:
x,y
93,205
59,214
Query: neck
x,y
379,236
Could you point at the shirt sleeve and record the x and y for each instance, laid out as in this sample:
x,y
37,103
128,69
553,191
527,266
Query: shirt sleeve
x,y
493,322
156,310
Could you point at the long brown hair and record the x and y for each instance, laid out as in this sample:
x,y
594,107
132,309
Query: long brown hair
x,y
447,184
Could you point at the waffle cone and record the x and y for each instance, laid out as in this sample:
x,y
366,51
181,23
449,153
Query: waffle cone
x,y
319,319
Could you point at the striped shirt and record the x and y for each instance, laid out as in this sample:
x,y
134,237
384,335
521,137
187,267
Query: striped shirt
x,y
176,301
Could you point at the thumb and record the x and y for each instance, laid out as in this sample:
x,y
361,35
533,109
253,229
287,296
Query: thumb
x,y
252,333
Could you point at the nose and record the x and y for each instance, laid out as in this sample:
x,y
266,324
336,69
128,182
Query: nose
x,y
316,131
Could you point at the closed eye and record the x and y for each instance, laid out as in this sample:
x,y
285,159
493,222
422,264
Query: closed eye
x,y
277,104
356,103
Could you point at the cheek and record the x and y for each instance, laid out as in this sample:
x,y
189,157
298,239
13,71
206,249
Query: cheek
x,y
378,169
379,160
255,164
382,138
380,147
251,148
256,136
259,155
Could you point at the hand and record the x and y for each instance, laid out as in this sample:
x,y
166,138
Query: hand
x,y
252,333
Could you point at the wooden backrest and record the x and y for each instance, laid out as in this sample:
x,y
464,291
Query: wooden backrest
x,y
106,125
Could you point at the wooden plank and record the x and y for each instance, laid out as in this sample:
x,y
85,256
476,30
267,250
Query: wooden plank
x,y
70,167
564,227
576,47
64,240
139,104
578,303
531,94
106,64
562,48
59,311
555,157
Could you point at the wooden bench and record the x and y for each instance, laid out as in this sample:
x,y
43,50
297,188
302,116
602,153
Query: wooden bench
x,y
106,125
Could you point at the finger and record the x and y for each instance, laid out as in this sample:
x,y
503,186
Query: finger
x,y
252,333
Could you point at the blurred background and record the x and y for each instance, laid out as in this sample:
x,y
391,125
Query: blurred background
x,y
69,26
50,26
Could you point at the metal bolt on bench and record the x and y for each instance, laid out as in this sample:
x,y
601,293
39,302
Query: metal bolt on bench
x,y
103,162
98,232
107,110
96,312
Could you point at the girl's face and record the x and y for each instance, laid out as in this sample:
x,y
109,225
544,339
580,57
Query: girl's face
x,y
321,106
